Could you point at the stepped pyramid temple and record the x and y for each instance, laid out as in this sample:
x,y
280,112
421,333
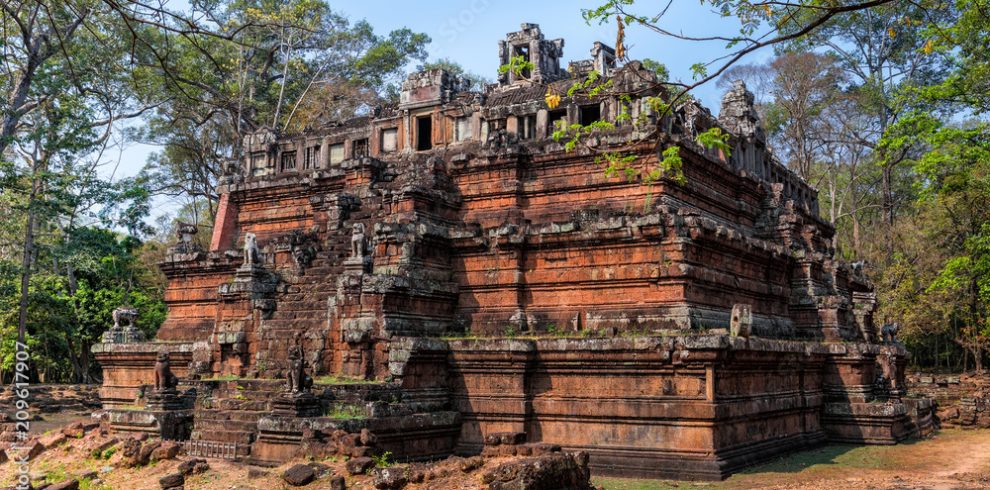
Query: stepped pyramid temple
x,y
442,276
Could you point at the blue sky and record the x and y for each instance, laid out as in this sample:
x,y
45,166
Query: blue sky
x,y
467,32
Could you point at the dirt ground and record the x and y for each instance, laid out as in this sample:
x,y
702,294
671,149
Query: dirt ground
x,y
954,459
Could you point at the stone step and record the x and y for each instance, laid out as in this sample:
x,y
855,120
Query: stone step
x,y
225,416
244,395
209,449
227,436
210,426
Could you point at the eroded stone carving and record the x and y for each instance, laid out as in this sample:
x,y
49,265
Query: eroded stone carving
x,y
252,256
164,379
741,322
297,380
185,244
888,333
357,241
888,377
128,332
128,315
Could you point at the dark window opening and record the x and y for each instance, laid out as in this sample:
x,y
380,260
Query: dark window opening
x,y
424,133
590,114
288,161
312,157
526,127
359,148
553,117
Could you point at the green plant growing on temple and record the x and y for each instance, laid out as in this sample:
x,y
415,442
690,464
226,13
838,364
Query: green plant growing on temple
x,y
382,460
517,65
346,412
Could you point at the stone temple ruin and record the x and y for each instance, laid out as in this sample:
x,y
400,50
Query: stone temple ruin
x,y
442,273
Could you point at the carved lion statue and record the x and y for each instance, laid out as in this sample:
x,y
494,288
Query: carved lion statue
x,y
164,379
124,315
251,253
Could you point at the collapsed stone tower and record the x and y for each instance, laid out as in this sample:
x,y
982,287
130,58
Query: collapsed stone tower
x,y
467,275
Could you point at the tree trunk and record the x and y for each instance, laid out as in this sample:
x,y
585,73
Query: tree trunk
x,y
887,204
27,260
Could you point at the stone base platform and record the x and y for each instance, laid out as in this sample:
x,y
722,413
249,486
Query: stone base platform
x,y
414,437
683,407
175,425
130,367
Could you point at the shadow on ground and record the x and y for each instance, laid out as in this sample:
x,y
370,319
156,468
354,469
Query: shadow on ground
x,y
837,463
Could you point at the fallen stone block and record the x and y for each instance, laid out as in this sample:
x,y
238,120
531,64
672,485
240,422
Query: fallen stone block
x,y
321,470
172,481
74,430
52,440
197,465
393,478
367,438
167,450
472,463
359,466
299,475
87,475
35,448
550,472
71,484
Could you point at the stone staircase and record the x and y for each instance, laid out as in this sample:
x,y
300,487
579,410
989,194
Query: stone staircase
x,y
304,305
227,414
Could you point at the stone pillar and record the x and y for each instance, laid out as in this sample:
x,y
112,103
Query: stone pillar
x,y
225,228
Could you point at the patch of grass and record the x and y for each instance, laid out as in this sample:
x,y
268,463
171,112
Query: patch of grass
x,y
346,412
832,456
87,484
56,475
226,377
334,379
107,454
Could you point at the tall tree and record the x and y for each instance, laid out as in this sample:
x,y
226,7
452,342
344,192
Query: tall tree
x,y
283,65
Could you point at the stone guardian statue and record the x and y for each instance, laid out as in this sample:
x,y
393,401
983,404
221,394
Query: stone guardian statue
x,y
357,241
251,254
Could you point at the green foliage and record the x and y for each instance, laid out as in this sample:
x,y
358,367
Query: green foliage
x,y
108,453
343,411
334,379
69,309
517,65
590,87
382,460
283,65
671,165
699,71
715,138
658,68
